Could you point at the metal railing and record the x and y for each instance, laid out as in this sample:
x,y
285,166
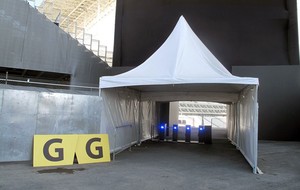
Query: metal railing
x,y
126,143
89,42
6,79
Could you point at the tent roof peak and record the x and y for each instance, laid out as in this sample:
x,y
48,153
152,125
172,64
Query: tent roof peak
x,y
182,58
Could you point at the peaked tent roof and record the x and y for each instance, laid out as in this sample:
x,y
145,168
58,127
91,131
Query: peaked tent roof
x,y
182,59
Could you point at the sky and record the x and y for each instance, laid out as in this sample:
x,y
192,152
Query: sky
x,y
104,30
35,2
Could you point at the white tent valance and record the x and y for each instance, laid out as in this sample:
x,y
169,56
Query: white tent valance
x,y
181,69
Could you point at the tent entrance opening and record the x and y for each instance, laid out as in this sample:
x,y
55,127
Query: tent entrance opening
x,y
191,121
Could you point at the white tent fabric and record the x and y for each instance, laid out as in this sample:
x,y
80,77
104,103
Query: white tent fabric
x,y
181,69
182,59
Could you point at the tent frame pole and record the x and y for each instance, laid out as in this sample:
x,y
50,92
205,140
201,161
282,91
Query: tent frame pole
x,y
139,141
237,123
256,170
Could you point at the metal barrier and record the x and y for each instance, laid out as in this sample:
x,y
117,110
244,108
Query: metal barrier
x,y
25,113
6,80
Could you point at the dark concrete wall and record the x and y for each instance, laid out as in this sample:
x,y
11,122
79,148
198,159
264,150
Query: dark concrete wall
x,y
279,106
237,32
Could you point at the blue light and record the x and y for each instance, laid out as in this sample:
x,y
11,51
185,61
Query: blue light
x,y
175,127
187,128
201,129
162,127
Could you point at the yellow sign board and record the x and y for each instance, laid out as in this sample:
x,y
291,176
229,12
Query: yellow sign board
x,y
57,150
54,150
92,148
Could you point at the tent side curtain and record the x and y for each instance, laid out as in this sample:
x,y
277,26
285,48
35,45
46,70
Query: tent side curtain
x,y
148,122
247,125
231,123
122,115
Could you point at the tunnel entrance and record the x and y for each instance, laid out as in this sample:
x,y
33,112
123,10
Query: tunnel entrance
x,y
191,121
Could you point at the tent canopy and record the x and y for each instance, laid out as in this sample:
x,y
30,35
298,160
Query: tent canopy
x,y
182,59
181,69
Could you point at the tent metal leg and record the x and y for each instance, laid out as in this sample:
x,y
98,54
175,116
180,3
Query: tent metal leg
x,y
140,123
258,171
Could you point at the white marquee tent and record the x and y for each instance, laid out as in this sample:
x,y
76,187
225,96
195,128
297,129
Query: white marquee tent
x,y
182,69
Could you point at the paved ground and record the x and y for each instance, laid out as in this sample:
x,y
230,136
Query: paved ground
x,y
163,165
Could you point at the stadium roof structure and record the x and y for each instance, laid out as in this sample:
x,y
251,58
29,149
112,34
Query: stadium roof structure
x,y
80,12
202,108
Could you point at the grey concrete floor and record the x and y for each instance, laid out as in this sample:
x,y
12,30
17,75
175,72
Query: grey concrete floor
x,y
166,165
